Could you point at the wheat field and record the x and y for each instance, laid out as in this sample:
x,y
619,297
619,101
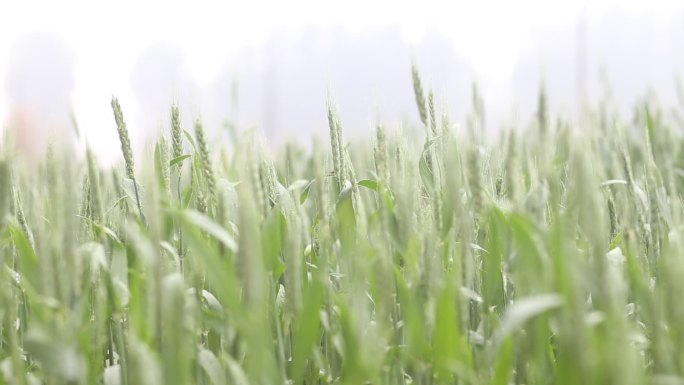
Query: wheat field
x,y
549,253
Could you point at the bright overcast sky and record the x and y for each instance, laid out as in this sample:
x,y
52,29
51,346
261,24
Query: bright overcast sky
x,y
109,36
98,29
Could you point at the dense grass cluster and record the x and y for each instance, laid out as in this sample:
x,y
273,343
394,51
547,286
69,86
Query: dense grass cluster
x,y
550,253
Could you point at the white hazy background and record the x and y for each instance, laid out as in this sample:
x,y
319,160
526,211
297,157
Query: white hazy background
x,y
269,63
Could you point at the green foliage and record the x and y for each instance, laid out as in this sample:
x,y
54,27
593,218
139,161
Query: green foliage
x,y
545,256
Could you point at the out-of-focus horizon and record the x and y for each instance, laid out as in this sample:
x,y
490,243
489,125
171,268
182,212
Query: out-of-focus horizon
x,y
270,64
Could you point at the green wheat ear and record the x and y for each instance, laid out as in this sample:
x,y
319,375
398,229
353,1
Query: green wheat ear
x,y
19,209
336,144
126,150
433,118
163,153
94,191
380,154
203,149
176,133
420,96
123,138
